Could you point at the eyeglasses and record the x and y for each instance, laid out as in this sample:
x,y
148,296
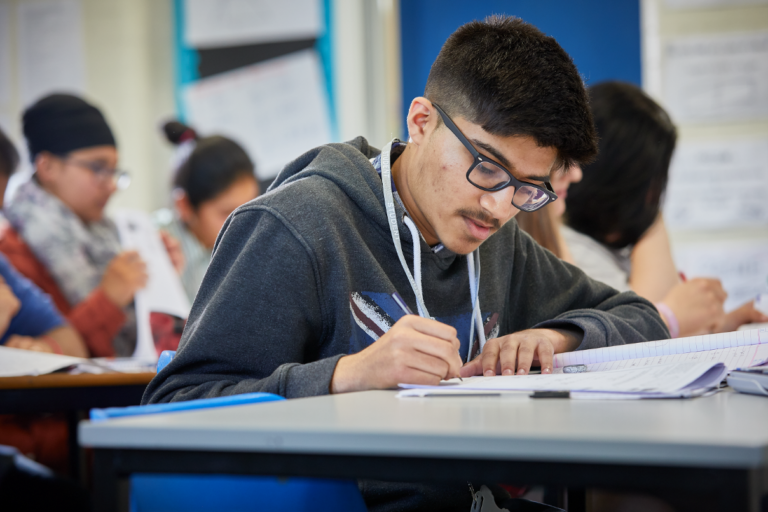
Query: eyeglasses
x,y
491,176
121,179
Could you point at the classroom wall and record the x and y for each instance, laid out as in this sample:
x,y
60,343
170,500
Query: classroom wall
x,y
127,53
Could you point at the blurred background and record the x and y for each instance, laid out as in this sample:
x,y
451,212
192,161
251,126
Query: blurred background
x,y
283,76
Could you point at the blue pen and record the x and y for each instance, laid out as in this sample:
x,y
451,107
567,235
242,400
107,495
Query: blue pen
x,y
407,311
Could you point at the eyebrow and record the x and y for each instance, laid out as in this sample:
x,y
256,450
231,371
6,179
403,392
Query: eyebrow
x,y
506,163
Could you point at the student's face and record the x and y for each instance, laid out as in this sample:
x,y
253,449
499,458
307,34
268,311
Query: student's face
x,y
83,180
561,180
206,222
449,208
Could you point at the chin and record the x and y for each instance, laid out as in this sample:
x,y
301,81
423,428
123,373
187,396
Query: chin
x,y
462,246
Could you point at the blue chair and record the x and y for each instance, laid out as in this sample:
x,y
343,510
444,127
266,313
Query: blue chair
x,y
151,492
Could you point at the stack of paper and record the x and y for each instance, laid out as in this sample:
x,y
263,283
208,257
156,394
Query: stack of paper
x,y
16,363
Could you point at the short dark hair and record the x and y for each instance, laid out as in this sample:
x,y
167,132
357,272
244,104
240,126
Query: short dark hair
x,y
618,199
9,157
212,167
508,77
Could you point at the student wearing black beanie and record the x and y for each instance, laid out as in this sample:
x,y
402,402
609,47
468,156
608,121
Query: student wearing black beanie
x,y
61,239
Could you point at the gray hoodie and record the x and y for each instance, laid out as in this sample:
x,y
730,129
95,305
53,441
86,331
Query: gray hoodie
x,y
303,275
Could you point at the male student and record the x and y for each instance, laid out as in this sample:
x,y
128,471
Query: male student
x,y
298,298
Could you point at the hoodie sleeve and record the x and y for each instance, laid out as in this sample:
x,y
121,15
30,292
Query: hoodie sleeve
x,y
256,321
560,295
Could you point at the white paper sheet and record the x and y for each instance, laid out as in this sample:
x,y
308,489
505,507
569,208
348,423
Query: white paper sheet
x,y
164,292
664,349
699,4
17,363
5,54
276,109
717,78
51,56
217,23
659,379
702,180
742,266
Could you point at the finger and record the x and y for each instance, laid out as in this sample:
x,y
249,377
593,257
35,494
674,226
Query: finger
x,y
428,364
412,376
472,368
525,352
490,356
429,327
546,354
437,347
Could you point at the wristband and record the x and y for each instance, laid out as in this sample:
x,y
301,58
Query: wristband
x,y
53,344
669,316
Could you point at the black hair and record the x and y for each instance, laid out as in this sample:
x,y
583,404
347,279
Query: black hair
x,y
508,77
618,199
212,167
9,157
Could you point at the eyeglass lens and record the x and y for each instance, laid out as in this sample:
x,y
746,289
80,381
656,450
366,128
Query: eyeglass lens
x,y
491,177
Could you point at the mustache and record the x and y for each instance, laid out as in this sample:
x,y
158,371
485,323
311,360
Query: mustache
x,y
481,216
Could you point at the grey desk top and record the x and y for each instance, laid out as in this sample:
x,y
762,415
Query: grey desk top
x,y
728,430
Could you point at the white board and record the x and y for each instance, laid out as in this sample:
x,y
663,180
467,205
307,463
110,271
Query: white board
x,y
718,185
276,110
220,23
717,77
742,266
51,57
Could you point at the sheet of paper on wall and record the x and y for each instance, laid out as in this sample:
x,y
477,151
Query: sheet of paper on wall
x,y
164,292
703,4
742,266
700,177
5,54
217,23
50,46
717,77
277,109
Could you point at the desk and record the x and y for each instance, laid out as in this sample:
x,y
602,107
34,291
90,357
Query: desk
x,y
716,443
71,394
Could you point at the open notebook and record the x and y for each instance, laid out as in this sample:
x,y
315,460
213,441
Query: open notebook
x,y
682,367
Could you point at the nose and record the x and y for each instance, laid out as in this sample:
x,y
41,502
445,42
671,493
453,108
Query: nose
x,y
575,174
499,203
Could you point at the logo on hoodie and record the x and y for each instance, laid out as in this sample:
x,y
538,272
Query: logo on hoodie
x,y
374,313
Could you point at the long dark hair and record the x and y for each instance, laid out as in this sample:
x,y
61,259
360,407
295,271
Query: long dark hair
x,y
214,164
618,198
9,157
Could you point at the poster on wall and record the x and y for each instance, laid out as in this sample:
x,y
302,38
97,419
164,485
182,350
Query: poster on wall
x,y
716,185
716,78
276,109
221,23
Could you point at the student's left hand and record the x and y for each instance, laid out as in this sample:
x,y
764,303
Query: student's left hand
x,y
514,353
174,251
745,314
28,343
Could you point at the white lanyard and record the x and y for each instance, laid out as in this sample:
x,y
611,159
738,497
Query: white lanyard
x,y
473,260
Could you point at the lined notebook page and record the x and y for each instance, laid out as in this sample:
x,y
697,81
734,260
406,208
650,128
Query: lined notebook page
x,y
729,347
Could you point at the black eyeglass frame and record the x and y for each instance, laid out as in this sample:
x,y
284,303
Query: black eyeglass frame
x,y
479,159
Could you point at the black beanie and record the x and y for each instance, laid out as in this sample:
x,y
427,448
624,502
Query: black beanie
x,y
61,123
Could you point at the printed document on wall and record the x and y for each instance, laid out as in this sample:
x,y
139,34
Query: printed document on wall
x,y
717,78
276,109
718,185
51,56
742,266
217,23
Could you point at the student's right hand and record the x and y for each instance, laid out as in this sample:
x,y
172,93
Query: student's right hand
x,y
415,350
9,305
698,306
124,276
29,343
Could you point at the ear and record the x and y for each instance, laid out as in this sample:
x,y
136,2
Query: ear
x,y
421,120
183,206
47,167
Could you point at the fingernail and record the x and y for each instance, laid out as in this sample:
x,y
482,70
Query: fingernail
x,y
507,372
546,370
489,373
521,372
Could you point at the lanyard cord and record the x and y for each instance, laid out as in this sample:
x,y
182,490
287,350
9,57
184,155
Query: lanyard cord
x,y
473,260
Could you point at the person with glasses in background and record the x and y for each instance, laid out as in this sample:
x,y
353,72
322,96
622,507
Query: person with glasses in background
x,y
58,235
298,299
